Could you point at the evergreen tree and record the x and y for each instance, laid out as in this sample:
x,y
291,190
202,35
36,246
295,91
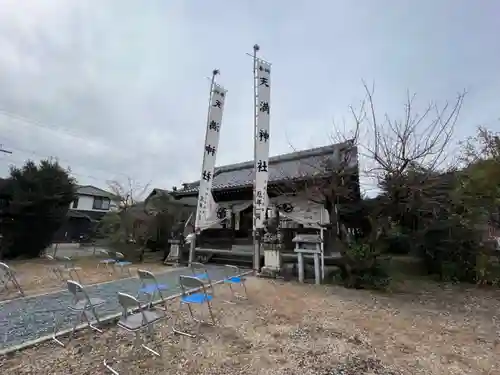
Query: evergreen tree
x,y
38,201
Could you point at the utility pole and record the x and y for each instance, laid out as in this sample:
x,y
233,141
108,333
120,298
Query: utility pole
x,y
4,151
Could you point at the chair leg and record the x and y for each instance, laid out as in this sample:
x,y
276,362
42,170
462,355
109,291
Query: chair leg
x,y
232,294
57,323
105,362
17,285
245,289
156,352
89,323
210,312
77,321
174,323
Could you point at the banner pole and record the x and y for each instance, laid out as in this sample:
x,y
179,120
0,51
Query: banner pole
x,y
192,246
256,237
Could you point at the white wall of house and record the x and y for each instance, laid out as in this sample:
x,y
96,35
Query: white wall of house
x,y
86,203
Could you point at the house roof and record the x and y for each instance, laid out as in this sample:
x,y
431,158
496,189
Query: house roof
x,y
292,166
89,215
188,202
93,191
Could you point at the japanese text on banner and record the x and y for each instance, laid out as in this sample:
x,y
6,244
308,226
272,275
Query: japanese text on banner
x,y
262,133
209,156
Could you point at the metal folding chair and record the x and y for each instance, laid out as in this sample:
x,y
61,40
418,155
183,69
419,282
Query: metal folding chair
x,y
200,272
150,287
7,275
234,277
107,261
134,320
67,267
122,263
82,304
197,297
55,268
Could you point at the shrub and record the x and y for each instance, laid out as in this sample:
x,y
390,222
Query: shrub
x,y
364,269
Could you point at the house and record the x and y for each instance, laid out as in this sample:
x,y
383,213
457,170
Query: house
x,y
289,176
86,210
93,202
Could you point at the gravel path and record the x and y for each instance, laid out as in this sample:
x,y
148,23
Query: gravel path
x,y
26,319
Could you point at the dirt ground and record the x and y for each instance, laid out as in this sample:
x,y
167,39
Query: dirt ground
x,y
288,328
35,276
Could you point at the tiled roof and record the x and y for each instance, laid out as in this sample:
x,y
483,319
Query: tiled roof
x,y
292,166
188,202
93,191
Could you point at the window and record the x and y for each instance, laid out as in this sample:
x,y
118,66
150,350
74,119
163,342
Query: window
x,y
75,203
101,203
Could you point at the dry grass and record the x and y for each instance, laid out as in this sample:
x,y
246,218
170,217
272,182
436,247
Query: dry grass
x,y
35,276
302,329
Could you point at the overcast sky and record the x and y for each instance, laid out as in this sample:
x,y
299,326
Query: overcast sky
x,y
119,88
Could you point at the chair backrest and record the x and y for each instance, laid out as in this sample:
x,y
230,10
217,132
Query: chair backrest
x,y
198,266
146,275
77,291
128,302
190,282
4,268
231,270
5,273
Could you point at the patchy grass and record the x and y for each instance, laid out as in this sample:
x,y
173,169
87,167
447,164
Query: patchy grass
x,y
35,276
288,328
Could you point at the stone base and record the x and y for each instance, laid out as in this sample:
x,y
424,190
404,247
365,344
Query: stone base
x,y
269,273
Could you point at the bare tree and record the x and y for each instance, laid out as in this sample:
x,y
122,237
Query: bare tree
x,y
128,195
392,148
415,139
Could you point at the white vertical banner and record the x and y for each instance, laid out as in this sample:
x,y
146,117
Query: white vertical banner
x,y
262,132
206,203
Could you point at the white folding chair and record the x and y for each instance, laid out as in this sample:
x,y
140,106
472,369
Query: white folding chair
x,y
200,272
150,287
82,304
234,277
7,275
110,260
189,298
63,271
122,263
135,319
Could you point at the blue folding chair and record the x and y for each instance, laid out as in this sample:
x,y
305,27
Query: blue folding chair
x,y
200,272
189,298
234,277
107,261
151,287
122,263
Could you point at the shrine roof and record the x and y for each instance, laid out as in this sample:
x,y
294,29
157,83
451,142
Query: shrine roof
x,y
293,166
